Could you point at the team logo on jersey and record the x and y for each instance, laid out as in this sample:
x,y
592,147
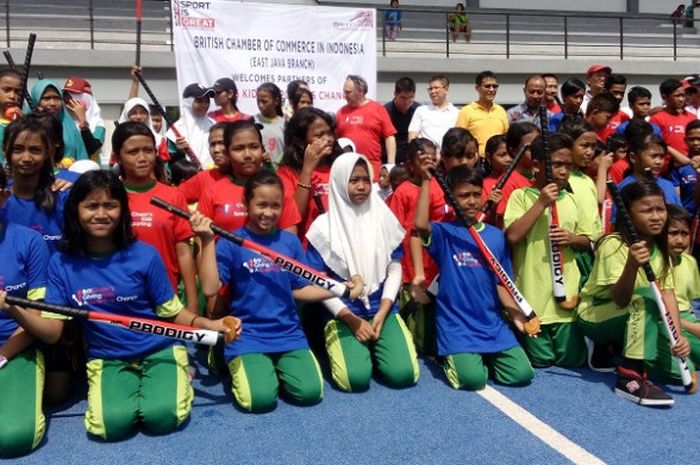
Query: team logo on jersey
x,y
94,295
260,265
142,219
11,287
465,259
232,209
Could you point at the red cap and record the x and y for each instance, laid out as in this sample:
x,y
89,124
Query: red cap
x,y
597,68
78,85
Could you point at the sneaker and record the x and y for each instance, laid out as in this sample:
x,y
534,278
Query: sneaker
x,y
633,386
600,357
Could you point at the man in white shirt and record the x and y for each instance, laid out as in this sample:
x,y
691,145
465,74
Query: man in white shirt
x,y
432,121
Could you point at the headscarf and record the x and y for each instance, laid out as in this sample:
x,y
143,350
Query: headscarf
x,y
196,130
355,239
73,141
139,102
385,192
93,114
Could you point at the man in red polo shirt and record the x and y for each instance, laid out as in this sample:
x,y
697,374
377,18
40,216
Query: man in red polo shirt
x,y
366,123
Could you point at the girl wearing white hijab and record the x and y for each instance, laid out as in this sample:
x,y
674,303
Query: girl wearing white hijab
x,y
359,235
136,109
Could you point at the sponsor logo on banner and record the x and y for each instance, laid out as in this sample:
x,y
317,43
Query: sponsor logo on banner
x,y
362,20
182,10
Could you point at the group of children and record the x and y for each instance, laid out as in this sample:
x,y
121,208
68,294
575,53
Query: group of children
x,y
419,281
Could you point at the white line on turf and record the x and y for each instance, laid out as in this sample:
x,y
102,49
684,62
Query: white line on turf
x,y
539,429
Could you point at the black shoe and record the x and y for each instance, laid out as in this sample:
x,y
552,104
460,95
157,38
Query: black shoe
x,y
633,386
600,357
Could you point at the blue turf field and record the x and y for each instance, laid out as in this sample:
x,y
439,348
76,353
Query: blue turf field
x,y
428,424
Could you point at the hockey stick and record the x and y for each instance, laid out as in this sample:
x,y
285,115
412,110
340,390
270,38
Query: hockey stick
x,y
13,66
556,252
502,182
23,94
288,264
632,237
166,118
139,16
143,325
532,327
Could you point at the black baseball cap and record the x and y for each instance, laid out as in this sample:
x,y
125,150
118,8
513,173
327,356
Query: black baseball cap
x,y
195,90
224,84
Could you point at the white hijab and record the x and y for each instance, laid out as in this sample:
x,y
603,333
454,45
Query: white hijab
x,y
385,192
136,102
93,114
355,239
196,131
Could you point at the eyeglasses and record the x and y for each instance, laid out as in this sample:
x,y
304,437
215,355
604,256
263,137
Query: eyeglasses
x,y
490,86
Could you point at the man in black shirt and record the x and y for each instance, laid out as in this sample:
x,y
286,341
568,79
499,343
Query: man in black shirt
x,y
401,110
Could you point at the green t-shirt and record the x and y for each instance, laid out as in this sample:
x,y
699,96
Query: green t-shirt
x,y
687,278
597,304
531,256
586,195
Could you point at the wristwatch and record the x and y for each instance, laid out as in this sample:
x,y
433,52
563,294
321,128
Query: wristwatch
x,y
3,361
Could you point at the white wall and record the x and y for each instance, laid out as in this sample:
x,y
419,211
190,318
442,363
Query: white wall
x,y
617,6
660,6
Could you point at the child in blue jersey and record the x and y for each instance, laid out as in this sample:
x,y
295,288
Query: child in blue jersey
x,y
646,154
23,260
360,235
272,348
33,202
472,334
133,377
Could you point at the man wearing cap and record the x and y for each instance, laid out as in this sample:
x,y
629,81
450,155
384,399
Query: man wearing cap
x,y
226,96
692,94
194,124
529,110
85,112
367,123
595,78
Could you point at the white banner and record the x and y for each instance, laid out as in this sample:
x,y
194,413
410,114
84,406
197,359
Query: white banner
x,y
253,43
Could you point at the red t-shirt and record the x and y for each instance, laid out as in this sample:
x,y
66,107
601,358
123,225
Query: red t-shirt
x,y
618,169
223,203
403,203
194,187
367,126
158,227
673,132
219,117
614,123
320,185
515,181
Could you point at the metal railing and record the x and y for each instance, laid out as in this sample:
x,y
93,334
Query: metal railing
x,y
110,24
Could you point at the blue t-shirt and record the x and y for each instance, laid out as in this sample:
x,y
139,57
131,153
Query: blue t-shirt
x,y
468,314
70,176
356,306
685,177
670,194
23,261
392,17
261,294
26,213
620,131
131,281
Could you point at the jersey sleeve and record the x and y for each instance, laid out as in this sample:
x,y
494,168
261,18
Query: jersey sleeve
x,y
388,128
290,213
610,259
57,292
436,242
36,262
225,258
694,278
181,229
158,287
206,203
191,188
515,208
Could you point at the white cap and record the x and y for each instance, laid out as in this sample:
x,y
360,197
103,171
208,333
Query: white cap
x,y
82,166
